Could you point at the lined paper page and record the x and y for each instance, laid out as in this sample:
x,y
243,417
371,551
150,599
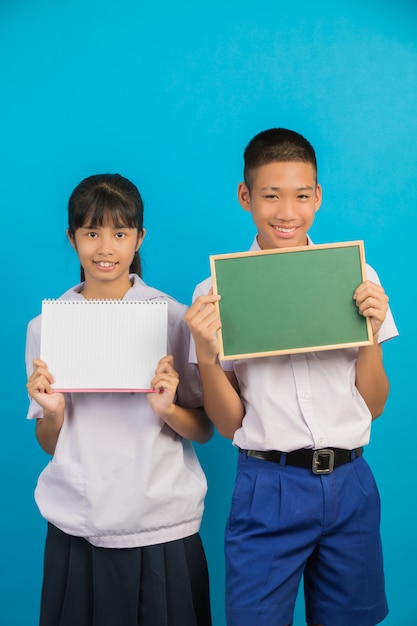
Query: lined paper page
x,y
103,345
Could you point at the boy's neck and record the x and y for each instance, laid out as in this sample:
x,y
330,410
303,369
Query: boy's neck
x,y
306,243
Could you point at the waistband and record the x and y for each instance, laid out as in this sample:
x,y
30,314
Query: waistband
x,y
322,461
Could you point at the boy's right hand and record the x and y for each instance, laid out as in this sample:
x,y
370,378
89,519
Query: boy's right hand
x,y
39,388
204,322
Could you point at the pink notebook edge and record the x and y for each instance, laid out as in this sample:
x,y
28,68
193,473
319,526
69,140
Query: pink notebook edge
x,y
107,390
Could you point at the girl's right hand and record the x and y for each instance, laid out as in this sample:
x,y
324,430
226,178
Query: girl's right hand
x,y
39,388
204,322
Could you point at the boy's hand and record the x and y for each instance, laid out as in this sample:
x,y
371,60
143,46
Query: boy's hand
x,y
39,388
372,302
203,321
165,383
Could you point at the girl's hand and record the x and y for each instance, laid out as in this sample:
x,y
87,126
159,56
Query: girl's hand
x,y
204,322
39,388
165,383
372,302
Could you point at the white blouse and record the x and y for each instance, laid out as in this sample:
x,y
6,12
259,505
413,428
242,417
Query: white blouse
x,y
120,477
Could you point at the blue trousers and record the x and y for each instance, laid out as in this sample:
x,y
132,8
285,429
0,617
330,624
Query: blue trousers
x,y
286,522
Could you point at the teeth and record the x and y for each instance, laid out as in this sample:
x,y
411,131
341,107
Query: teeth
x,y
103,264
285,230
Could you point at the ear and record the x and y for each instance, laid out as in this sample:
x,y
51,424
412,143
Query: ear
x,y
319,197
141,237
71,240
243,195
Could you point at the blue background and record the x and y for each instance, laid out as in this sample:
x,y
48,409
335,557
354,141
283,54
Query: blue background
x,y
168,94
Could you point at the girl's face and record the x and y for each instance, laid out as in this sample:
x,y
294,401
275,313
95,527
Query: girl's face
x,y
106,253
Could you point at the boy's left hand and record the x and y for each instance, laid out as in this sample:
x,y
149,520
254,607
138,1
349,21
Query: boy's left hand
x,y
372,301
165,383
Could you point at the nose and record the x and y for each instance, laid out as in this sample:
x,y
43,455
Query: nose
x,y
285,210
106,245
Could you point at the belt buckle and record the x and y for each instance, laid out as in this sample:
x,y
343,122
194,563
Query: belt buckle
x,y
323,461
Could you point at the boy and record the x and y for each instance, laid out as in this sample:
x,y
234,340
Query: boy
x,y
305,501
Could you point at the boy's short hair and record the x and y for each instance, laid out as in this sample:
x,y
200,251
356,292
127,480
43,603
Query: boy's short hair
x,y
276,145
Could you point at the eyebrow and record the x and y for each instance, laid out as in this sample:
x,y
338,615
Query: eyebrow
x,y
98,226
271,188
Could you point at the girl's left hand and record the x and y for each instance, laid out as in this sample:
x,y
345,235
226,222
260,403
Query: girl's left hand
x,y
165,383
372,302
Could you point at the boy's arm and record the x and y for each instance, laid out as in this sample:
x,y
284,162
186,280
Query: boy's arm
x,y
371,379
222,402
190,423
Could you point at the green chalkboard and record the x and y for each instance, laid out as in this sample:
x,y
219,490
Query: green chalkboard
x,y
290,300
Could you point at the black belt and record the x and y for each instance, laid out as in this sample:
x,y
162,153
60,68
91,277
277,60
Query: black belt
x,y
321,461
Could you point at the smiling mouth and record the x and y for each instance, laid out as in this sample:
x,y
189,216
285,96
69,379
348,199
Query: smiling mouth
x,y
281,229
105,263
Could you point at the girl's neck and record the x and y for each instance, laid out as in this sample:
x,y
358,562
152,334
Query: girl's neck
x,y
106,291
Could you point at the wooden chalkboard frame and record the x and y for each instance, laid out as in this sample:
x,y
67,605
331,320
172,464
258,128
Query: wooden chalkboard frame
x,y
306,277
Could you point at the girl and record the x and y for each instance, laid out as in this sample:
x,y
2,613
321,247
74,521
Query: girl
x,y
124,492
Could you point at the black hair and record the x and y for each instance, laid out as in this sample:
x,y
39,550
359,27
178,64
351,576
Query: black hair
x,y
276,145
106,195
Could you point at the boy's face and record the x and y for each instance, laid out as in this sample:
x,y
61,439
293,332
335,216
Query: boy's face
x,y
283,200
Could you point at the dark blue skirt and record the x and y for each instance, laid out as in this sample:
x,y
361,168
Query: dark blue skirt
x,y
161,585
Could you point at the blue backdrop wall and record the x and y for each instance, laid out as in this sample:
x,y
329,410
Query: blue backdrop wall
x,y
168,94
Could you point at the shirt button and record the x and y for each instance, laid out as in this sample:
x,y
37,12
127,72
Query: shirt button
x,y
306,395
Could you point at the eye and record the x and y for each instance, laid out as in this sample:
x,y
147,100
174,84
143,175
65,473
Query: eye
x,y
120,235
92,234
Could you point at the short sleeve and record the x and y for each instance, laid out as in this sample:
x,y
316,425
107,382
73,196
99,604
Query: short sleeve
x,y
388,329
33,335
189,392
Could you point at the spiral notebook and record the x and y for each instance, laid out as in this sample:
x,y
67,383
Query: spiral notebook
x,y
103,345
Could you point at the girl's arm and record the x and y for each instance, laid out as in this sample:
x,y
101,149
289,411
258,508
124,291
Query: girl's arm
x,y
53,404
191,424
371,379
222,402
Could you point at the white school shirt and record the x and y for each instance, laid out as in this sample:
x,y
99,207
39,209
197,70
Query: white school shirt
x,y
120,477
303,400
